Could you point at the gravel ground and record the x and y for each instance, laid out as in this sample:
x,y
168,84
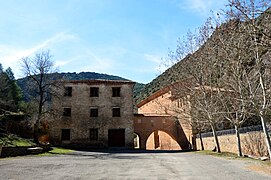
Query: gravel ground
x,y
128,165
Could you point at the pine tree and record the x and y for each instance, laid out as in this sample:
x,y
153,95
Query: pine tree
x,y
10,93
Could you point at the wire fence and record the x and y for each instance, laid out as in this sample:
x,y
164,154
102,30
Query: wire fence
x,y
232,131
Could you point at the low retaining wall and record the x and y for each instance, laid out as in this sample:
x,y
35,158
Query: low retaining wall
x,y
14,151
22,151
252,143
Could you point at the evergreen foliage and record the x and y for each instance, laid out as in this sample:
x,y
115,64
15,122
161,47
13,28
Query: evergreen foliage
x,y
10,93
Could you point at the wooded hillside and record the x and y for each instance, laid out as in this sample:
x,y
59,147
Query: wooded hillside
x,y
23,82
179,70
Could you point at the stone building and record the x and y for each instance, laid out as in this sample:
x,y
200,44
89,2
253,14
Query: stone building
x,y
93,113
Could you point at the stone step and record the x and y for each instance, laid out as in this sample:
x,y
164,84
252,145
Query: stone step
x,y
35,150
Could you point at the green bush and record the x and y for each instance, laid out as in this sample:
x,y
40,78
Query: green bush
x,y
9,140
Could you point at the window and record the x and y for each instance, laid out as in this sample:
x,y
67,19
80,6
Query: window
x,y
93,134
65,134
68,91
115,91
93,112
116,112
94,92
67,111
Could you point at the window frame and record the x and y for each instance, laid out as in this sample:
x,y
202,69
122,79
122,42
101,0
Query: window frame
x,y
94,92
68,91
67,113
94,112
93,134
116,91
116,112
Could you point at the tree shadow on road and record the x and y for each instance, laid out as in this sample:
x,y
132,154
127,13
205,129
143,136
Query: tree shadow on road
x,y
117,152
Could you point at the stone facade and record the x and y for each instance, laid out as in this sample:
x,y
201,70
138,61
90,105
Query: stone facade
x,y
161,104
93,113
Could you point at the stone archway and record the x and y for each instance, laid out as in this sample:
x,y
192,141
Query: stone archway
x,y
161,140
144,126
136,141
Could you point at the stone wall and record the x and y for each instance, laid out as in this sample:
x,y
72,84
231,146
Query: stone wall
x,y
23,150
14,151
252,143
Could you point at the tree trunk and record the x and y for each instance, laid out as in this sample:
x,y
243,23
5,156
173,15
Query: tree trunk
x,y
201,142
37,129
37,123
267,137
238,140
216,139
36,133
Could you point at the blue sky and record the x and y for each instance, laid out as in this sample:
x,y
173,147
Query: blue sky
x,y
127,38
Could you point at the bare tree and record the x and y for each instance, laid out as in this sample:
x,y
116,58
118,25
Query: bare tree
x,y
39,70
233,91
255,17
205,71
187,111
201,67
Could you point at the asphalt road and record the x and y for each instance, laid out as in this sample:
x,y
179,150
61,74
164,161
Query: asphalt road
x,y
128,165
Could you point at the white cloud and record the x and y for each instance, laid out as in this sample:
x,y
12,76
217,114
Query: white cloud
x,y
153,58
88,60
202,7
159,66
59,63
199,5
98,62
10,56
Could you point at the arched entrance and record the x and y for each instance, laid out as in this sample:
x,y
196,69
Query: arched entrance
x,y
160,140
167,128
136,141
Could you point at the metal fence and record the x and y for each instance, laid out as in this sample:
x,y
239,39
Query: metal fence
x,y
232,131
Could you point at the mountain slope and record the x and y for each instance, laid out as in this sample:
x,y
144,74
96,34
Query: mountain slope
x,y
80,76
179,70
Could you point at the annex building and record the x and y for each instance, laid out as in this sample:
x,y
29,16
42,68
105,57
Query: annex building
x,y
163,121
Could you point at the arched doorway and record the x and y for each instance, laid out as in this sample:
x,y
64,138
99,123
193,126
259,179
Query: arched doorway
x,y
160,140
136,141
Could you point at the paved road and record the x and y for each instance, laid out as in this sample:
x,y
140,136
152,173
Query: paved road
x,y
127,165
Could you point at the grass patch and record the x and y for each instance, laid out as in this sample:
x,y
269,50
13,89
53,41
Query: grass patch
x,y
10,140
230,155
55,151
267,163
60,151
222,154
